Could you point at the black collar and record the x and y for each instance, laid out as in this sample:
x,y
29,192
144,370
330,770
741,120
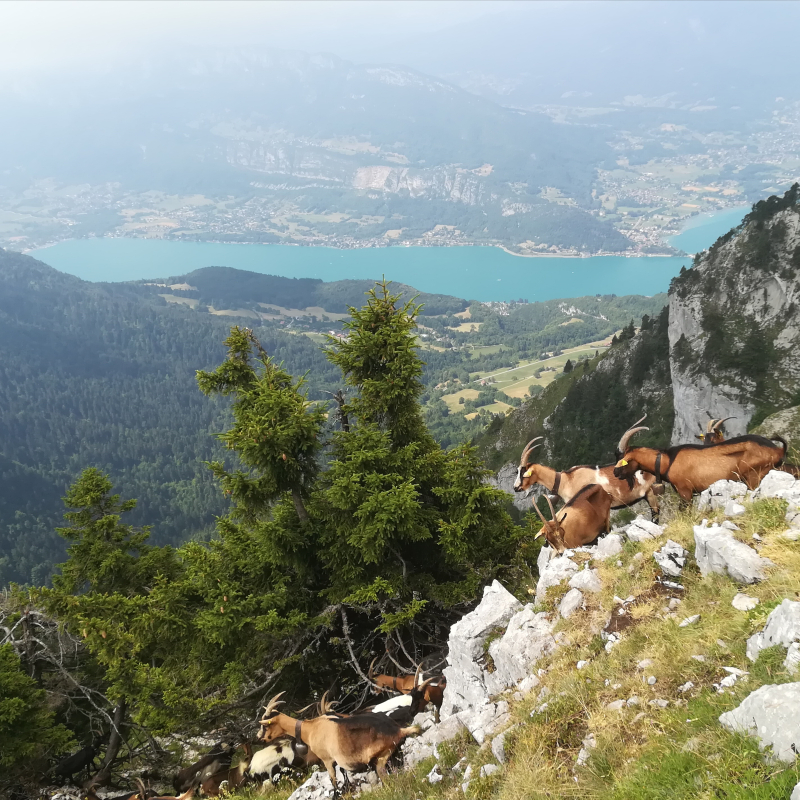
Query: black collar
x,y
298,732
658,469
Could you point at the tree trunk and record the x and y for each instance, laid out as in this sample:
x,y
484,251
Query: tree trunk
x,y
299,507
114,742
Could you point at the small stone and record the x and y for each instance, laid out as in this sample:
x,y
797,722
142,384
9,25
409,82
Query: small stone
x,y
671,558
645,663
686,687
435,775
616,686
735,671
615,705
743,602
618,600
689,621
468,772
792,535
581,664
674,602
638,557
701,659
757,538
619,563
734,509
633,701
630,598
587,581
651,681
488,769
459,765
658,703
722,644
728,525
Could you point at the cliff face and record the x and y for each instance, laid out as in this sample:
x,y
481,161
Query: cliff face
x,y
734,323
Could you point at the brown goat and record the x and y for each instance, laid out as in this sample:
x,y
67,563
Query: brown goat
x,y
566,484
713,433
405,684
234,776
217,759
583,519
354,743
692,468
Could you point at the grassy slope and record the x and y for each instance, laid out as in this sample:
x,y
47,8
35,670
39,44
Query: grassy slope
x,y
643,753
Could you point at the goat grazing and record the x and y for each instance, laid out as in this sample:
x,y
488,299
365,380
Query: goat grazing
x,y
267,763
354,743
567,484
233,776
585,517
692,468
713,433
216,760
405,707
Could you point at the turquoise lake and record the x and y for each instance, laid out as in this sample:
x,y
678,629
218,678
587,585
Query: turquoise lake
x,y
474,273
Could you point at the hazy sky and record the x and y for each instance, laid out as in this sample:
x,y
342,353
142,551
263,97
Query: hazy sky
x,y
47,33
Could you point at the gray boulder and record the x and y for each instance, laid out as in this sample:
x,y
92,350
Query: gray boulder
x,y
484,721
570,603
587,580
783,628
557,571
719,494
777,484
465,677
641,530
770,714
528,637
418,748
717,551
543,559
796,793
499,745
671,558
608,547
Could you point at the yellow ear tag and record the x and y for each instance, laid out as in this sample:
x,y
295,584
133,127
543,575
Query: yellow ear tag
x,y
528,473
623,463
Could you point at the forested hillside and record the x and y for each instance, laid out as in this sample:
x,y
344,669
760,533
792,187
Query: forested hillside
x,y
104,375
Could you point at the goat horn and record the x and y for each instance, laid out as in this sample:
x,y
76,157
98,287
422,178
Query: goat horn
x,y
523,459
710,425
552,510
371,670
623,442
142,788
416,676
273,704
541,516
718,423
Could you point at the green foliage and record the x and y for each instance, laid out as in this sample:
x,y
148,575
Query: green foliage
x,y
27,728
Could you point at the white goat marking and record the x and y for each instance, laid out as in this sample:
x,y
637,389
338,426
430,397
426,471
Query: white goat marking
x,y
601,479
390,705
639,475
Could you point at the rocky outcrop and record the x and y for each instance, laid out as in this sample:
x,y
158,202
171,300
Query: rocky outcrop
x,y
717,551
733,327
782,628
445,182
505,478
719,494
770,714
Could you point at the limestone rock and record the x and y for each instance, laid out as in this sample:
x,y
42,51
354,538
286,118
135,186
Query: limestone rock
x,y
719,494
499,745
465,685
418,748
543,559
777,484
608,547
641,529
435,775
484,721
783,628
717,551
796,793
671,558
555,573
528,637
734,509
570,603
743,602
318,785
488,769
587,580
770,714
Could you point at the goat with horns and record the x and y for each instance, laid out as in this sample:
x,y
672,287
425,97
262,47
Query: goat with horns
x,y
566,485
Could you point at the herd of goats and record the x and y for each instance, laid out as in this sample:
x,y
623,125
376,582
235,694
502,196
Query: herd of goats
x,y
368,738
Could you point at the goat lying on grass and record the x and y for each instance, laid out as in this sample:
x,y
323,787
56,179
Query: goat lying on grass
x,y
692,468
583,519
354,743
567,484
